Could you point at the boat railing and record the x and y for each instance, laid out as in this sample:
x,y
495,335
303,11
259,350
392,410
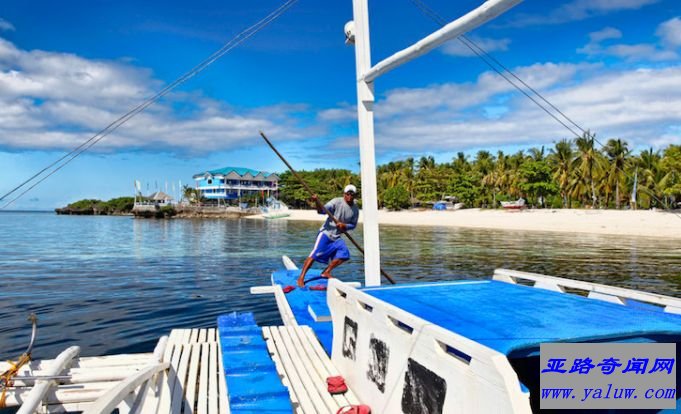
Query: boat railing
x,y
618,295
114,397
388,355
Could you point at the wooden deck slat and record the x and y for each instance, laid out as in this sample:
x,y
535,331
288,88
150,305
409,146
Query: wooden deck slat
x,y
186,335
168,380
178,396
223,402
315,367
332,371
148,396
299,357
193,383
314,384
213,372
192,378
202,406
278,364
174,336
305,397
281,370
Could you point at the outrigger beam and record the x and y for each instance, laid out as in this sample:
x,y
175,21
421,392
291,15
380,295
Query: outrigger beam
x,y
473,19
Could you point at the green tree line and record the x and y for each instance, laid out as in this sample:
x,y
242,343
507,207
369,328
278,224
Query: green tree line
x,y
572,174
119,205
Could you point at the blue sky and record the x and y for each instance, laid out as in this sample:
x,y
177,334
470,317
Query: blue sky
x,y
67,69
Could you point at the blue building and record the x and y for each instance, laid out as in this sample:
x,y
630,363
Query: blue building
x,y
235,183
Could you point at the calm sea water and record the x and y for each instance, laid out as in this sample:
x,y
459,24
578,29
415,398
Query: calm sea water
x,y
116,284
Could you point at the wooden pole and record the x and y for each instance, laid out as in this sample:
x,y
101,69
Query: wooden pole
x,y
323,208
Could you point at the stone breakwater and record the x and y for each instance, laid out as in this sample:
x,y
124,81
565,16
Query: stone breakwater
x,y
157,211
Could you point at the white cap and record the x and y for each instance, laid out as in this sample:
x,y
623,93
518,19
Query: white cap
x,y
350,188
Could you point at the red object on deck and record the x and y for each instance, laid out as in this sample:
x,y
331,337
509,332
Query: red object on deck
x,y
288,288
355,409
336,385
318,287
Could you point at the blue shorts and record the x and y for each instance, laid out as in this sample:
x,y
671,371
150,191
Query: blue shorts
x,y
326,249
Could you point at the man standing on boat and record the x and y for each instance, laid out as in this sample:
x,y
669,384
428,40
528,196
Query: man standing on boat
x,y
330,248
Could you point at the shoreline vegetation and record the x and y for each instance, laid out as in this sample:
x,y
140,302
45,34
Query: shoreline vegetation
x,y
572,174
121,206
573,187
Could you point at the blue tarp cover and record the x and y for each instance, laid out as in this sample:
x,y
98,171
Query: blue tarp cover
x,y
515,319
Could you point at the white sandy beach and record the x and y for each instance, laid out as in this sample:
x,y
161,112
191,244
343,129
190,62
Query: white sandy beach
x,y
643,223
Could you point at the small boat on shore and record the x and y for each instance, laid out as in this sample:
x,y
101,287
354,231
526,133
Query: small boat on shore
x,y
513,205
275,209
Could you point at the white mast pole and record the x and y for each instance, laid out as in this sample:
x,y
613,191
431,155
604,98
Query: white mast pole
x,y
365,117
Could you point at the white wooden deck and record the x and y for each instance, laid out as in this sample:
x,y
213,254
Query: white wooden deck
x,y
195,382
304,367
184,375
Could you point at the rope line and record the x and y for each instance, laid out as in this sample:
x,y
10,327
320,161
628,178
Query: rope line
x,y
491,61
70,156
7,376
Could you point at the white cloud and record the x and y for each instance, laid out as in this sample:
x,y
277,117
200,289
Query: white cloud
x,y
670,32
6,26
605,34
457,98
640,106
580,10
54,100
344,113
457,48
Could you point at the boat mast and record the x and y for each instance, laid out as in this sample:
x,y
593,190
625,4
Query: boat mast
x,y
366,74
367,158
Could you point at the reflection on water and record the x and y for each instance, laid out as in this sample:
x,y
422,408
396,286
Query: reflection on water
x,y
115,284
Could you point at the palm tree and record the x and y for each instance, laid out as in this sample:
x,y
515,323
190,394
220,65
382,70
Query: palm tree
x,y
193,195
426,163
561,160
617,151
484,166
648,163
460,163
587,164
501,173
515,162
537,154
670,183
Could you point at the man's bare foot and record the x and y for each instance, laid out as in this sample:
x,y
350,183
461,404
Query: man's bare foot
x,y
326,275
301,282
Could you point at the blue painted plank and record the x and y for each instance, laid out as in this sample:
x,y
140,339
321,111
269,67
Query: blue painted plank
x,y
253,383
300,298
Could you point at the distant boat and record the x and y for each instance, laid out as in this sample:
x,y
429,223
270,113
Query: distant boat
x,y
275,209
447,205
513,205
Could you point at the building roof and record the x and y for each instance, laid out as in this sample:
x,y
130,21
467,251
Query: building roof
x,y
238,170
160,196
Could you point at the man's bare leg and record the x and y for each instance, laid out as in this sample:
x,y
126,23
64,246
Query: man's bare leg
x,y
334,263
306,266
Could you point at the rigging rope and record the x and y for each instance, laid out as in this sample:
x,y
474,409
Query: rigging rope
x,y
67,158
490,61
6,378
